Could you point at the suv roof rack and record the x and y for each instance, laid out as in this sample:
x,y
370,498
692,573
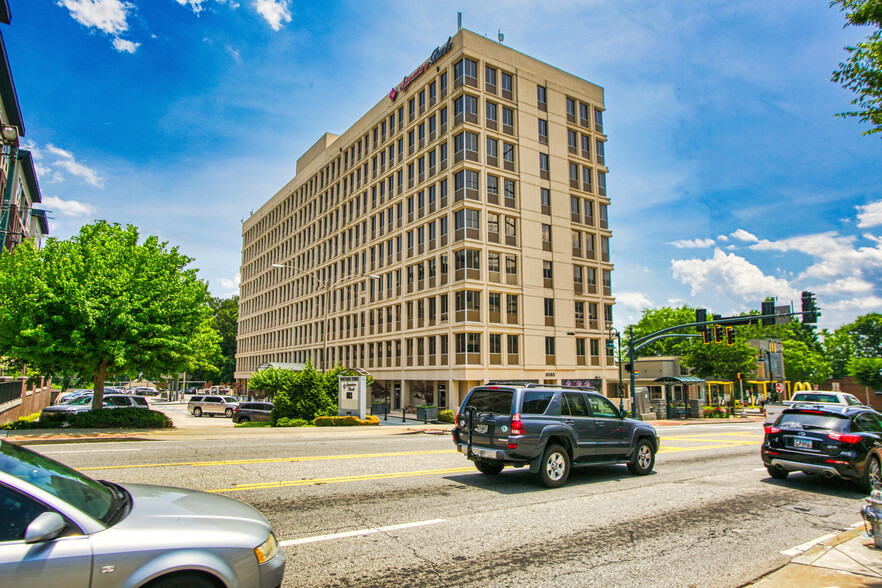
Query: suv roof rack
x,y
562,386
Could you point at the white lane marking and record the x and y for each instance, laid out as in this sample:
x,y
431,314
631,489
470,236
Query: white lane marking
x,y
358,533
86,451
806,546
760,470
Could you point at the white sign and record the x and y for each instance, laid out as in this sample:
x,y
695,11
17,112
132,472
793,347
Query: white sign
x,y
352,396
779,387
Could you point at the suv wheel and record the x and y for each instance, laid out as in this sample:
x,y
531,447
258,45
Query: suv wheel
x,y
555,468
778,474
228,413
644,459
491,468
872,474
244,419
197,412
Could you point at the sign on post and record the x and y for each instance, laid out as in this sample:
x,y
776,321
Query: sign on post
x,y
352,396
779,387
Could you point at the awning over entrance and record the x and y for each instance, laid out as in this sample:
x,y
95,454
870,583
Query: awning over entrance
x,y
297,367
679,380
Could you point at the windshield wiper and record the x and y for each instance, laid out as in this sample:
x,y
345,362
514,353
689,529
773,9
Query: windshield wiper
x,y
121,502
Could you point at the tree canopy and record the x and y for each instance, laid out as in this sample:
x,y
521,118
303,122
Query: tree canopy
x,y
720,360
103,304
862,72
225,318
656,319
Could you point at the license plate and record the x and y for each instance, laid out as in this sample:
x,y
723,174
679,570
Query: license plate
x,y
802,443
480,428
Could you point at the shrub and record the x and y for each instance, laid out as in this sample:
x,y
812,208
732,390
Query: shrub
x,y
252,424
344,421
106,418
715,412
446,416
286,422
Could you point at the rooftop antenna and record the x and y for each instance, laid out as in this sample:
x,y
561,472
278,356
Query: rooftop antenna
x,y
458,20
499,35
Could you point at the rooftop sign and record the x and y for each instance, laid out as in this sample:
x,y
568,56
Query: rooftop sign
x,y
436,54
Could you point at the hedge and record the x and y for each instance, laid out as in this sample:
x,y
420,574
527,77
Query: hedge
x,y
345,421
446,416
105,418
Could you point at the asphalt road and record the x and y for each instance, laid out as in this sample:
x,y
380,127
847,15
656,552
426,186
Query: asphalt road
x,y
709,516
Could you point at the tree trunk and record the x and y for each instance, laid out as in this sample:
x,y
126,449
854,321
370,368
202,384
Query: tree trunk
x,y
98,389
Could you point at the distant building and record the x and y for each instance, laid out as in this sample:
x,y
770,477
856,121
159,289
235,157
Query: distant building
x,y
456,234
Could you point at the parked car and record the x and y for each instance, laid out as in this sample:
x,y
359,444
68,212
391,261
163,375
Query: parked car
x,y
550,429
84,404
60,527
833,440
67,397
252,411
773,410
212,405
145,391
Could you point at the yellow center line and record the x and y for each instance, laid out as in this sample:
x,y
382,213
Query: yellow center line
x,y
268,460
316,481
669,449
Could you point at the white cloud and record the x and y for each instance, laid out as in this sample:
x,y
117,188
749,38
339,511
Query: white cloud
x,y
869,215
230,287
194,5
731,277
275,12
634,300
743,235
124,46
692,243
108,16
56,162
723,238
845,286
68,207
835,255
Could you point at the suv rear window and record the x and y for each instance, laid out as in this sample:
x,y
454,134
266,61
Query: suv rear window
x,y
831,398
493,401
536,402
139,401
813,420
196,399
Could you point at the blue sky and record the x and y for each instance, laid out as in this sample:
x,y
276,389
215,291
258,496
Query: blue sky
x,y
730,177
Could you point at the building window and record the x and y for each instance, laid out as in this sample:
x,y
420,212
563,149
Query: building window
x,y
465,71
491,114
543,162
511,265
541,95
490,78
549,345
571,109
571,141
545,197
506,84
549,308
512,344
508,153
495,343
466,218
492,186
543,131
492,148
509,192
465,145
547,270
493,262
493,223
546,233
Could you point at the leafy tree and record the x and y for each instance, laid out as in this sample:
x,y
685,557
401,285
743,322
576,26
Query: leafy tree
x,y
380,393
719,361
862,73
839,349
866,334
226,322
804,364
656,319
100,304
424,391
271,381
867,371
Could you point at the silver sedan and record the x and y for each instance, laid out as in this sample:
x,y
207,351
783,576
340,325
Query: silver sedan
x,y
62,528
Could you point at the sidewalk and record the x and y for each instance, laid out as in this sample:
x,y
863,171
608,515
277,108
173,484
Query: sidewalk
x,y
846,560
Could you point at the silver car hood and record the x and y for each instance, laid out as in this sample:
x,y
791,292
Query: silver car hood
x,y
160,508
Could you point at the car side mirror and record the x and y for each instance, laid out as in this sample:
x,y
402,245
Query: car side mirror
x,y
45,527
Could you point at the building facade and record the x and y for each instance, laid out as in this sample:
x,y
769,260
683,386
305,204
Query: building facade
x,y
456,234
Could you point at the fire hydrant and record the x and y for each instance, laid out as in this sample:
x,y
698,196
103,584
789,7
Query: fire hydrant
x,y
872,513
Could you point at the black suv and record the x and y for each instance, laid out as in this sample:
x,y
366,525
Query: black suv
x,y
549,428
836,441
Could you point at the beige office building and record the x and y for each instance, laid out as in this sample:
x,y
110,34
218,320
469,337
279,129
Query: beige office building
x,y
456,234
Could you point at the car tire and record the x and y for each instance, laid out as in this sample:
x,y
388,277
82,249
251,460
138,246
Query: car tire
x,y
197,412
555,467
490,468
644,459
244,419
183,581
778,474
228,413
872,474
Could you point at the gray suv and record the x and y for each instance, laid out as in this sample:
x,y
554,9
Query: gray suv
x,y
212,405
550,429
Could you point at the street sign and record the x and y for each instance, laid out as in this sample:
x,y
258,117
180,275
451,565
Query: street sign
x,y
779,387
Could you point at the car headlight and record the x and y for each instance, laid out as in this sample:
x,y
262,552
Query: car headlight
x,y
267,550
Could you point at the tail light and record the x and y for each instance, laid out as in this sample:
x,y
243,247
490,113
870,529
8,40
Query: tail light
x,y
517,427
770,430
845,437
236,409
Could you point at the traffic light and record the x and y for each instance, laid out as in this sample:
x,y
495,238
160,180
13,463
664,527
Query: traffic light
x,y
730,336
701,317
768,310
707,337
628,367
718,333
810,312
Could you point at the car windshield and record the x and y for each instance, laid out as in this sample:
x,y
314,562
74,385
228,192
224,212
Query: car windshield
x,y
813,420
229,399
81,400
88,495
816,398
494,401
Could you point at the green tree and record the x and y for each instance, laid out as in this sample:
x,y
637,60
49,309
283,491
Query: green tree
x,y
862,73
866,334
656,319
838,349
719,360
804,364
867,371
100,304
311,394
225,317
271,381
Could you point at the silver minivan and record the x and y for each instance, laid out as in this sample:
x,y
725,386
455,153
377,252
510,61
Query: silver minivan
x,y
212,405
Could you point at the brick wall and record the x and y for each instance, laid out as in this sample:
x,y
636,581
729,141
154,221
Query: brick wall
x,y
849,386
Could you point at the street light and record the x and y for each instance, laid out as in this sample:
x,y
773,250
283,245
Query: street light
x,y
614,331
9,141
328,286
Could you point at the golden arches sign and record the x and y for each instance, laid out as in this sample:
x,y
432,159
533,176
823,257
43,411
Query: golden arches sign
x,y
802,386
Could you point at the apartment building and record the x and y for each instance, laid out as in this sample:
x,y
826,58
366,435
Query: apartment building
x,y
456,234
